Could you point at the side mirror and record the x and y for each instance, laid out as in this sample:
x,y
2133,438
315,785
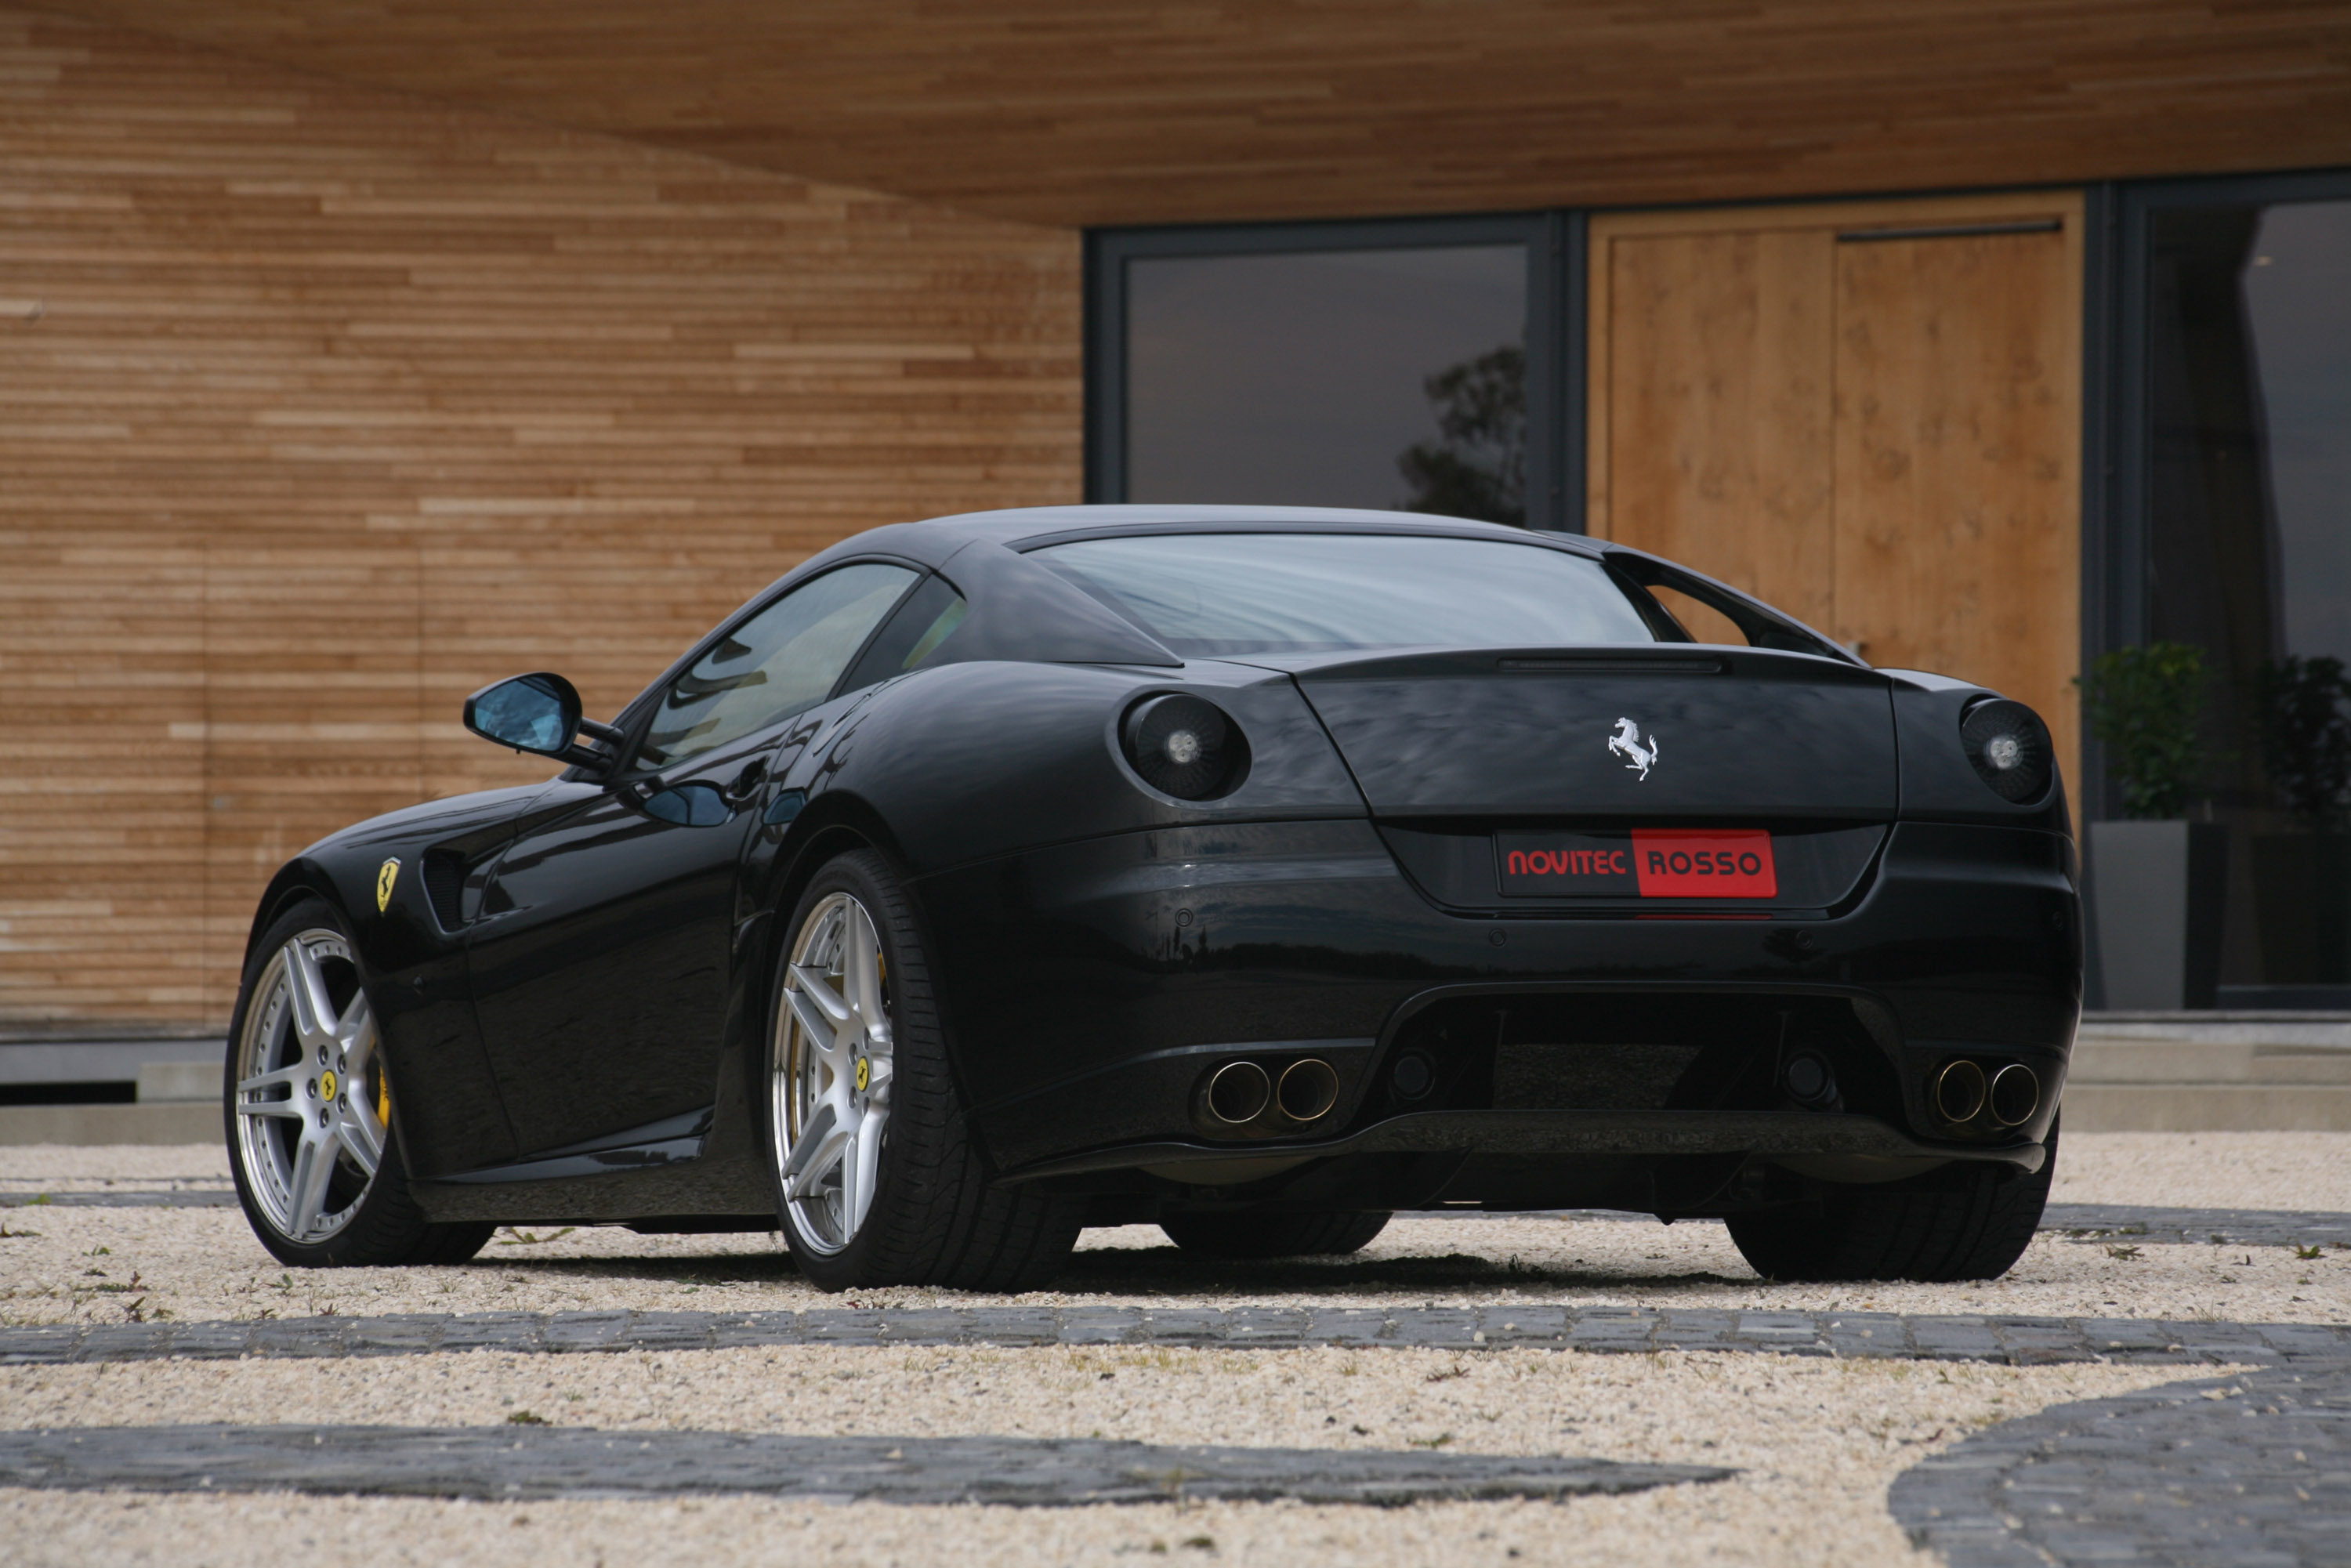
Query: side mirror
x,y
540,713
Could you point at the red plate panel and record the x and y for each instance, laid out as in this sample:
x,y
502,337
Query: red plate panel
x,y
1704,862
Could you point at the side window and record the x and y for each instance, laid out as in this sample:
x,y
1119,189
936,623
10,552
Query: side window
x,y
927,619
783,659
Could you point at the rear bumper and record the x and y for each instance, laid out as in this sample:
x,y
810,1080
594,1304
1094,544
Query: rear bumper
x,y
1093,985
1557,1135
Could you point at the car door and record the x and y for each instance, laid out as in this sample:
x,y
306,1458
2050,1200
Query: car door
x,y
602,961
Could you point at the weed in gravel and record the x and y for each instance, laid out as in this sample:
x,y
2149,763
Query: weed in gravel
x,y
2308,1253
2125,1253
513,1237
1437,1442
524,1418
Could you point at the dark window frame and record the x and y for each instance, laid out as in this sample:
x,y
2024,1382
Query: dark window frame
x,y
2117,407
1554,330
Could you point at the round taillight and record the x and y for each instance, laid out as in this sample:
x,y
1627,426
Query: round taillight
x,y
2009,747
1185,746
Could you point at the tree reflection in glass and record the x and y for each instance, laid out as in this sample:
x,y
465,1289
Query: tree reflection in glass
x,y
1478,465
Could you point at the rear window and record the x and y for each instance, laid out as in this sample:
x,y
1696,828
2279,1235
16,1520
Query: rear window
x,y
1206,595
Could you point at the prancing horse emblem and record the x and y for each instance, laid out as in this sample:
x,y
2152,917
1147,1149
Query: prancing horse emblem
x,y
1626,744
388,873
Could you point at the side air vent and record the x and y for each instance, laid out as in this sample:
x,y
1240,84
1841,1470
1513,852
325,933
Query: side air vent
x,y
445,887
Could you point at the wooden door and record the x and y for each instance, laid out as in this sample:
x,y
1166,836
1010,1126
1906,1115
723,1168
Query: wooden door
x,y
1867,414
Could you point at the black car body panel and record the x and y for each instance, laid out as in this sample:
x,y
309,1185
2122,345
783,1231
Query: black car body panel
x,y
1525,731
572,988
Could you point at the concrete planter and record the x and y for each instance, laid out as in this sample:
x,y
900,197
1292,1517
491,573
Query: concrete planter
x,y
2156,890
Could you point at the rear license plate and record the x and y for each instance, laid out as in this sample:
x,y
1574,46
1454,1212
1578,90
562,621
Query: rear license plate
x,y
1647,862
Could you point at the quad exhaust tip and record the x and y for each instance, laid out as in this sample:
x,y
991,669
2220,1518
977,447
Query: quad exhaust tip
x,y
1959,1091
2008,1097
2015,1094
1309,1089
1237,1093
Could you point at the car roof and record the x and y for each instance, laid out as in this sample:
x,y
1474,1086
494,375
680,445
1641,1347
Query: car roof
x,y
1021,526
1093,632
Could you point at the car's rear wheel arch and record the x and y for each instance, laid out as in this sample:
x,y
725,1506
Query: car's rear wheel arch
x,y
952,1226
847,824
834,823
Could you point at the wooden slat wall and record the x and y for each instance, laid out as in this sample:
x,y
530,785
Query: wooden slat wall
x,y
1075,111
319,407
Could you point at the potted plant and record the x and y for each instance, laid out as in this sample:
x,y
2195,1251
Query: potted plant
x,y
2157,880
2302,879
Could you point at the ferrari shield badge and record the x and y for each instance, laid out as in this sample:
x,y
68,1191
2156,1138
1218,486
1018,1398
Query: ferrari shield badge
x,y
1627,743
384,877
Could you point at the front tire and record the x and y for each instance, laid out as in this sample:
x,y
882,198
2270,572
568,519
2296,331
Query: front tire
x,y
309,1114
875,1176
1966,1221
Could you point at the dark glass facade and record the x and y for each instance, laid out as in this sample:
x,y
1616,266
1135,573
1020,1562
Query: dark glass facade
x,y
2247,509
1329,378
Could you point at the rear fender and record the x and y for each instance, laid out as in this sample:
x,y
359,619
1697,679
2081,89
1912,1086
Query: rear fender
x,y
1938,784
969,761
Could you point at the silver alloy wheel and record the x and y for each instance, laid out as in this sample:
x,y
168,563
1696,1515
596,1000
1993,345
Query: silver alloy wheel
x,y
830,1103
311,1101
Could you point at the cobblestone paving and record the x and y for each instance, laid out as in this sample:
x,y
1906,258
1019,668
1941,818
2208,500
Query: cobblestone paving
x,y
2225,1227
2089,1222
516,1464
185,1197
1877,1335
2254,1469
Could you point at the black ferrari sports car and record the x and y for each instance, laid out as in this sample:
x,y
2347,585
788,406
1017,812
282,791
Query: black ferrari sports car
x,y
1253,872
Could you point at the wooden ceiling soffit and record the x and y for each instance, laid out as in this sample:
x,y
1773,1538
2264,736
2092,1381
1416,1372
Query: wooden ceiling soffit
x,y
1075,113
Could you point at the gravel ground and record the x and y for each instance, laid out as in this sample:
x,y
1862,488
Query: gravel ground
x,y
1817,1442
97,1164
2207,1170
204,1263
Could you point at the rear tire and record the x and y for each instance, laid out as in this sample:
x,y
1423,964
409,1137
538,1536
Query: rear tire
x,y
1963,1222
1247,1237
927,1213
354,1216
